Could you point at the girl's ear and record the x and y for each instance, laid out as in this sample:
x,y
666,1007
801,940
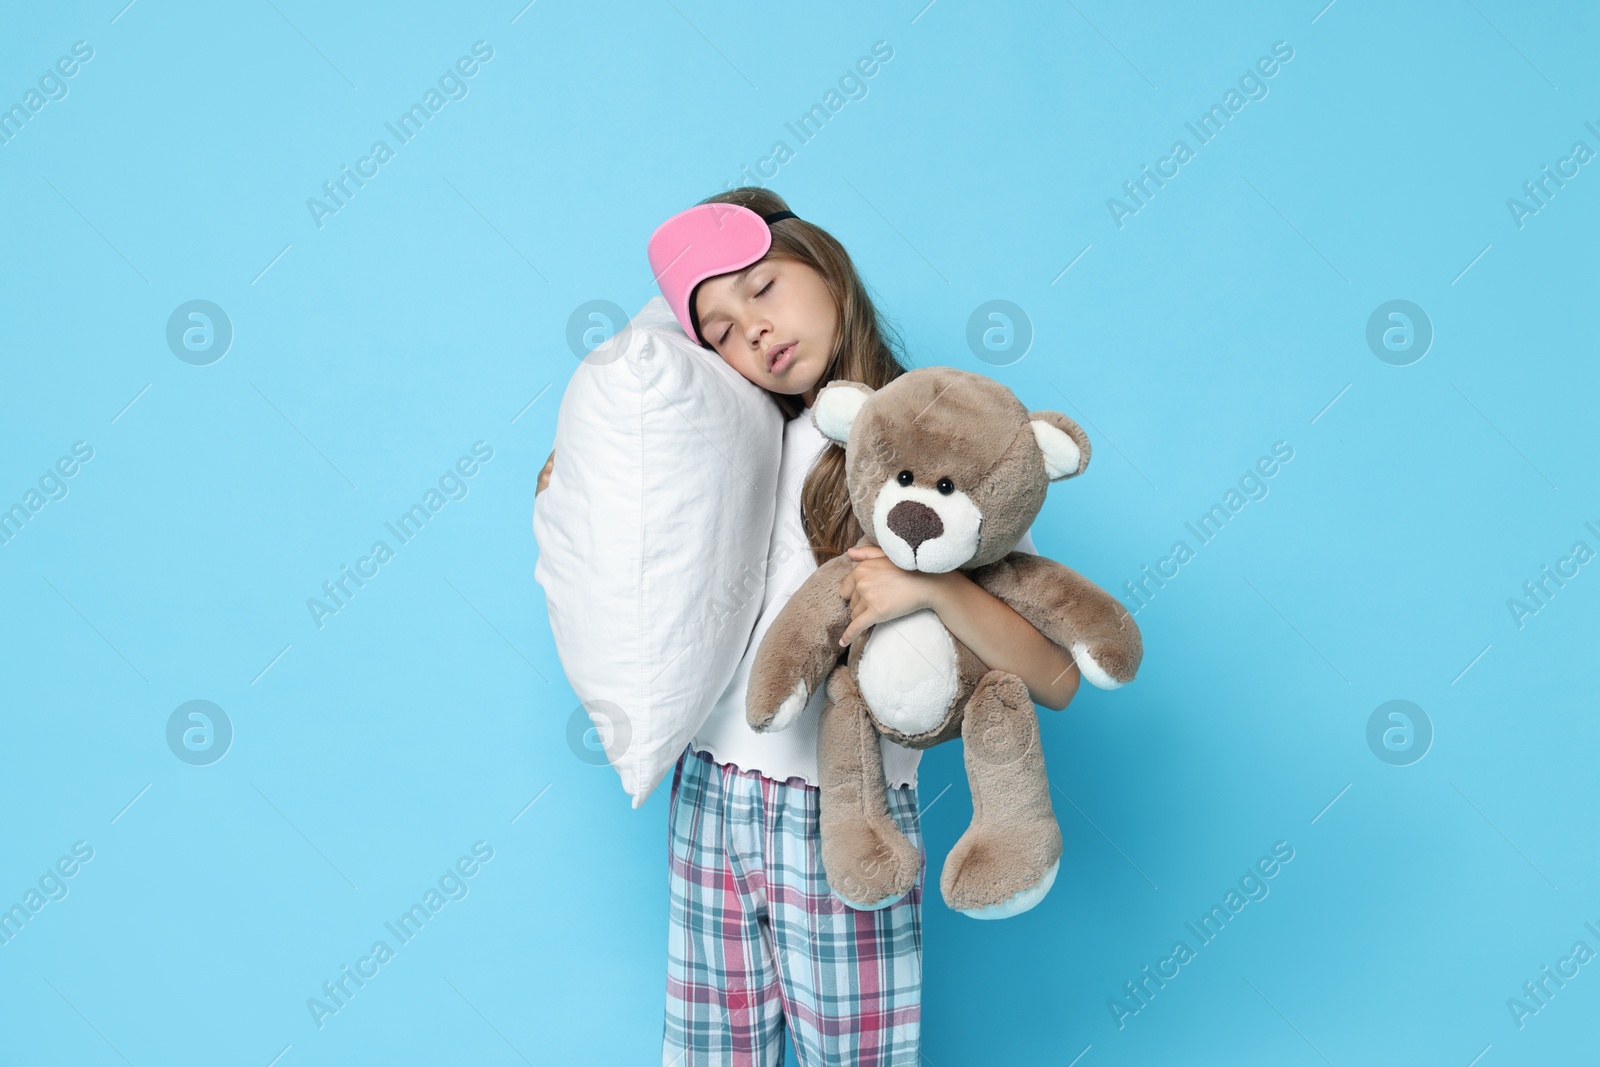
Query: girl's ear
x,y
1062,442
836,407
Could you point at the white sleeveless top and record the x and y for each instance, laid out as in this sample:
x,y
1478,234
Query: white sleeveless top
x,y
790,753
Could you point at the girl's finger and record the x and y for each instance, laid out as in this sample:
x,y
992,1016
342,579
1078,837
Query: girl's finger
x,y
856,611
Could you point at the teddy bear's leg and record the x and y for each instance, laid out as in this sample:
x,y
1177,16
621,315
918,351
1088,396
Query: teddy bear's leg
x,y
869,862
1008,858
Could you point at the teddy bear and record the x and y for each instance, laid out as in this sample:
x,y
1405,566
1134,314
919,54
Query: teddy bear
x,y
946,470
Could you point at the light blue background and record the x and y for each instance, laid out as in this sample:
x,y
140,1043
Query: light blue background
x,y
430,313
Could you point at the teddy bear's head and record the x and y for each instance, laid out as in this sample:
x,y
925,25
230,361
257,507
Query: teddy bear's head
x,y
946,469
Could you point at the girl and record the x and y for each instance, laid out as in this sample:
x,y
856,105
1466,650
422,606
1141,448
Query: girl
x,y
757,941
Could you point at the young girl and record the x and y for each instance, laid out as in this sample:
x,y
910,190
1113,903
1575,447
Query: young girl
x,y
757,940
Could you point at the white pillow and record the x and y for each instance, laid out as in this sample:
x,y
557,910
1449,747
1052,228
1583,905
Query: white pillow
x,y
653,532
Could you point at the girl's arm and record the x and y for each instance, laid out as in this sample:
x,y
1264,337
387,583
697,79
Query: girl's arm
x,y
544,475
1003,639
879,591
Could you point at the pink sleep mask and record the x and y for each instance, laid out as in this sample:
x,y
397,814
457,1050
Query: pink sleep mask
x,y
702,242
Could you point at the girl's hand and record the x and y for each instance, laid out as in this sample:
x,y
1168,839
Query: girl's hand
x,y
544,475
879,591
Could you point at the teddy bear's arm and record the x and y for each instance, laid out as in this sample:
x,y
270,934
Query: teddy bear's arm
x,y
799,648
1070,610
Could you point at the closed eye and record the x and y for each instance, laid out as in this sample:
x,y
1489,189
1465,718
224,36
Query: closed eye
x,y
729,330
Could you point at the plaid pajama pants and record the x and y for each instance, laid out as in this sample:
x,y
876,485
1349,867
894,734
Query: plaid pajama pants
x,y
757,940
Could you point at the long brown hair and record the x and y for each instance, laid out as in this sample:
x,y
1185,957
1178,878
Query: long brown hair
x,y
866,349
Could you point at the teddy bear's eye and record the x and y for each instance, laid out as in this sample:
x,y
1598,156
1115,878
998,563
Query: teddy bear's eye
x,y
946,486
905,478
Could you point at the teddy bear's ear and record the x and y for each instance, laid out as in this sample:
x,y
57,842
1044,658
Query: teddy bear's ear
x,y
836,406
1062,442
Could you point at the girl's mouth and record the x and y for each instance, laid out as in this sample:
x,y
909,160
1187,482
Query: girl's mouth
x,y
785,357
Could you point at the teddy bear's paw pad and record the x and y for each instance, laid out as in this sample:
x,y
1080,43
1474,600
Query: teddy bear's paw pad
x,y
995,872
792,706
868,868
1092,672
1018,902
859,906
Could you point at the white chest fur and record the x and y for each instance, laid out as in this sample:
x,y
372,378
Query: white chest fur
x,y
908,672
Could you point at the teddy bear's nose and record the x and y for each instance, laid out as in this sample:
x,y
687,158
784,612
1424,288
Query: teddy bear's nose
x,y
915,523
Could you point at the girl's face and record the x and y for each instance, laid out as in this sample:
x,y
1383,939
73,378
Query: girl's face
x,y
774,322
